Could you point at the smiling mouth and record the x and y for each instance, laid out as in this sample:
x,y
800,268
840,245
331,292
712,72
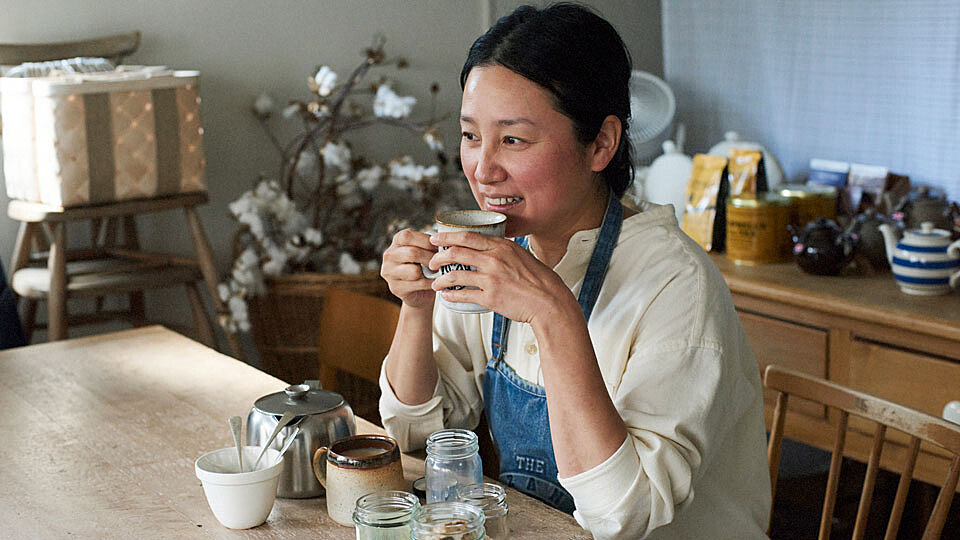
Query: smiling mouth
x,y
503,201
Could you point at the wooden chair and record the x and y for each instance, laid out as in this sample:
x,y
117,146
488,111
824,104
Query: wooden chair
x,y
885,414
356,331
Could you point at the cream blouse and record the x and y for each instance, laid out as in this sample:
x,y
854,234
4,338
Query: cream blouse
x,y
676,364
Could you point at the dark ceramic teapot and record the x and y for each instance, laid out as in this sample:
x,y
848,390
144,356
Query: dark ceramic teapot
x,y
923,204
870,244
822,247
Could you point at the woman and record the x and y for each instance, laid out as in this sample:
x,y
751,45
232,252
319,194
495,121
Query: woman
x,y
615,375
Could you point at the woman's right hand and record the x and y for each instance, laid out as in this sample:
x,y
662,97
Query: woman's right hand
x,y
401,268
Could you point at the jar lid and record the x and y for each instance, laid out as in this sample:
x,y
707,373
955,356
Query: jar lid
x,y
803,191
300,399
758,200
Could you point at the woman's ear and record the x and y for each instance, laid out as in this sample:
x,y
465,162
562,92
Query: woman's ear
x,y
604,147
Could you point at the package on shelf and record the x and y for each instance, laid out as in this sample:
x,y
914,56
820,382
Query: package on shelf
x,y
80,139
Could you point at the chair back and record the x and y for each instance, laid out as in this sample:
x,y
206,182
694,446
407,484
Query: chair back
x,y
114,48
920,426
356,331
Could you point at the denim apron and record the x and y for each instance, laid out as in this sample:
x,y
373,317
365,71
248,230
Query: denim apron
x,y
517,409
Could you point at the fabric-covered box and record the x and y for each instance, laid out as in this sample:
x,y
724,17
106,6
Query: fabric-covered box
x,y
79,139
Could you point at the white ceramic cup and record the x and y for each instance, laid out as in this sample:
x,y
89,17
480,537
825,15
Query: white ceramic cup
x,y
240,500
354,466
479,221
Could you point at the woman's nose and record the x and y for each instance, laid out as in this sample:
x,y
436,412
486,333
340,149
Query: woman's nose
x,y
488,169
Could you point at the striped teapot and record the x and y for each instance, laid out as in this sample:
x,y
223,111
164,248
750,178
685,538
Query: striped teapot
x,y
923,261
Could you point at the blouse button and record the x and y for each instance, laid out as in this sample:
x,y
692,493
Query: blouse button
x,y
531,349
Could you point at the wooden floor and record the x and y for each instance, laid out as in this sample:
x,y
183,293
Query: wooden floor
x,y
799,502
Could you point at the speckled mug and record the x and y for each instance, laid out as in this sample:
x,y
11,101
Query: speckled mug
x,y
478,221
354,466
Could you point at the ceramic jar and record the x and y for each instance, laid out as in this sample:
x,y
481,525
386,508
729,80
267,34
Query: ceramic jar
x,y
924,261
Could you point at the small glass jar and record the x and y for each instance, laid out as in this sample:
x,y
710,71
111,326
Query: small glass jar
x,y
385,515
492,500
452,461
447,521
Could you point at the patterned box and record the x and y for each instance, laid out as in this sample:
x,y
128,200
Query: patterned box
x,y
72,140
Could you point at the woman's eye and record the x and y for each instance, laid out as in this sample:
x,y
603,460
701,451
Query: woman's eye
x,y
468,136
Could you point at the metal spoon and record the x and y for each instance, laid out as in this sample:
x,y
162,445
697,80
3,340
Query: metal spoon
x,y
284,420
286,444
235,425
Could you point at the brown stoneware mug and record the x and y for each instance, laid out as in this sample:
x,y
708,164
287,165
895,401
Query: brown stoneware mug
x,y
354,466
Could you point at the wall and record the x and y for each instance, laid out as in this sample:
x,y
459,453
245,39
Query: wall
x,y
245,47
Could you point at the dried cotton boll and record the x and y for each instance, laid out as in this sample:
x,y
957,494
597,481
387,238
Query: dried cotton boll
x,y
433,142
307,164
326,80
312,237
264,106
387,104
337,155
223,291
348,265
369,178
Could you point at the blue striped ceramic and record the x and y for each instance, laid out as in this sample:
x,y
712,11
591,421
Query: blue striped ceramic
x,y
925,262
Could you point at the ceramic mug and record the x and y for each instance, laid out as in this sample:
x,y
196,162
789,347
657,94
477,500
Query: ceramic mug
x,y
479,221
354,466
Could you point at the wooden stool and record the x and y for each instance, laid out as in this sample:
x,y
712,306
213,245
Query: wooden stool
x,y
106,267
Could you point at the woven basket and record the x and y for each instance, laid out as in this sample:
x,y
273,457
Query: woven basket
x,y
285,321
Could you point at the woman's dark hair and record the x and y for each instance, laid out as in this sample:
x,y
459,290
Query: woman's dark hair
x,y
579,58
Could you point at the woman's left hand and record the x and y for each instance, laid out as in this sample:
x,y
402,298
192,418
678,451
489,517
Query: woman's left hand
x,y
509,279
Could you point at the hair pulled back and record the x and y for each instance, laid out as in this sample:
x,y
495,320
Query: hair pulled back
x,y
579,58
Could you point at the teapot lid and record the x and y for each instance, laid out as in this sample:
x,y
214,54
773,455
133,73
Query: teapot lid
x,y
300,399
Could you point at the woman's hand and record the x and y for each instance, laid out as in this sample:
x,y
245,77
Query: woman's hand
x,y
509,280
401,268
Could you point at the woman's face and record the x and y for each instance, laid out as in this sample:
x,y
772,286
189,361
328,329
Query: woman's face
x,y
520,154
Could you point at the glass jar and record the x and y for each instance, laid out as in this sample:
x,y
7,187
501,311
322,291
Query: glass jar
x,y
385,515
447,521
492,500
452,461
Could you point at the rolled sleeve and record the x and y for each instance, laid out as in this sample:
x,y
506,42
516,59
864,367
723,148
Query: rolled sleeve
x,y
410,425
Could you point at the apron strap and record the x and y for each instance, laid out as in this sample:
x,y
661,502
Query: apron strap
x,y
593,279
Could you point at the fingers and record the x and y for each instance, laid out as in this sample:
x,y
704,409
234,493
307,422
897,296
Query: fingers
x,y
470,240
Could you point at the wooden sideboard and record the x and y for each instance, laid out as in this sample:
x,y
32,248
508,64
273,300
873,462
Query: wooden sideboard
x,y
859,331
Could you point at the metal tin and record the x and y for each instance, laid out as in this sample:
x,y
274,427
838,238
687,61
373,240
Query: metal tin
x,y
323,417
757,229
810,201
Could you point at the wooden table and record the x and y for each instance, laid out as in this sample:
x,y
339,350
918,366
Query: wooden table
x,y
100,435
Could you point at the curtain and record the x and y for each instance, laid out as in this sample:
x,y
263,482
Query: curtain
x,y
866,81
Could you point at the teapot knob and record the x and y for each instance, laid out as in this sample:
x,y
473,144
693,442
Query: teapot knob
x,y
926,227
296,391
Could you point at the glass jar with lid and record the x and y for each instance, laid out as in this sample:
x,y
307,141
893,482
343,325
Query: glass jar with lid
x,y
492,500
385,515
452,461
447,521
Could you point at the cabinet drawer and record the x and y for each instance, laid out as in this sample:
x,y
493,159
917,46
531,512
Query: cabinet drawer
x,y
903,376
790,345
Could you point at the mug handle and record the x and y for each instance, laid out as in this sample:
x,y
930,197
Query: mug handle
x,y
428,273
320,465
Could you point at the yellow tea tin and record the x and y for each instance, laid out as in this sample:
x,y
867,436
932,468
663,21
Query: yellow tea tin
x,y
757,228
810,201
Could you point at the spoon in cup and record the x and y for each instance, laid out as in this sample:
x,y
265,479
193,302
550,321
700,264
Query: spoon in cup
x,y
287,443
284,420
235,426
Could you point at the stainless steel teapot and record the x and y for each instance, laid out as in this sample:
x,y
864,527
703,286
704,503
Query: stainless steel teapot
x,y
323,417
